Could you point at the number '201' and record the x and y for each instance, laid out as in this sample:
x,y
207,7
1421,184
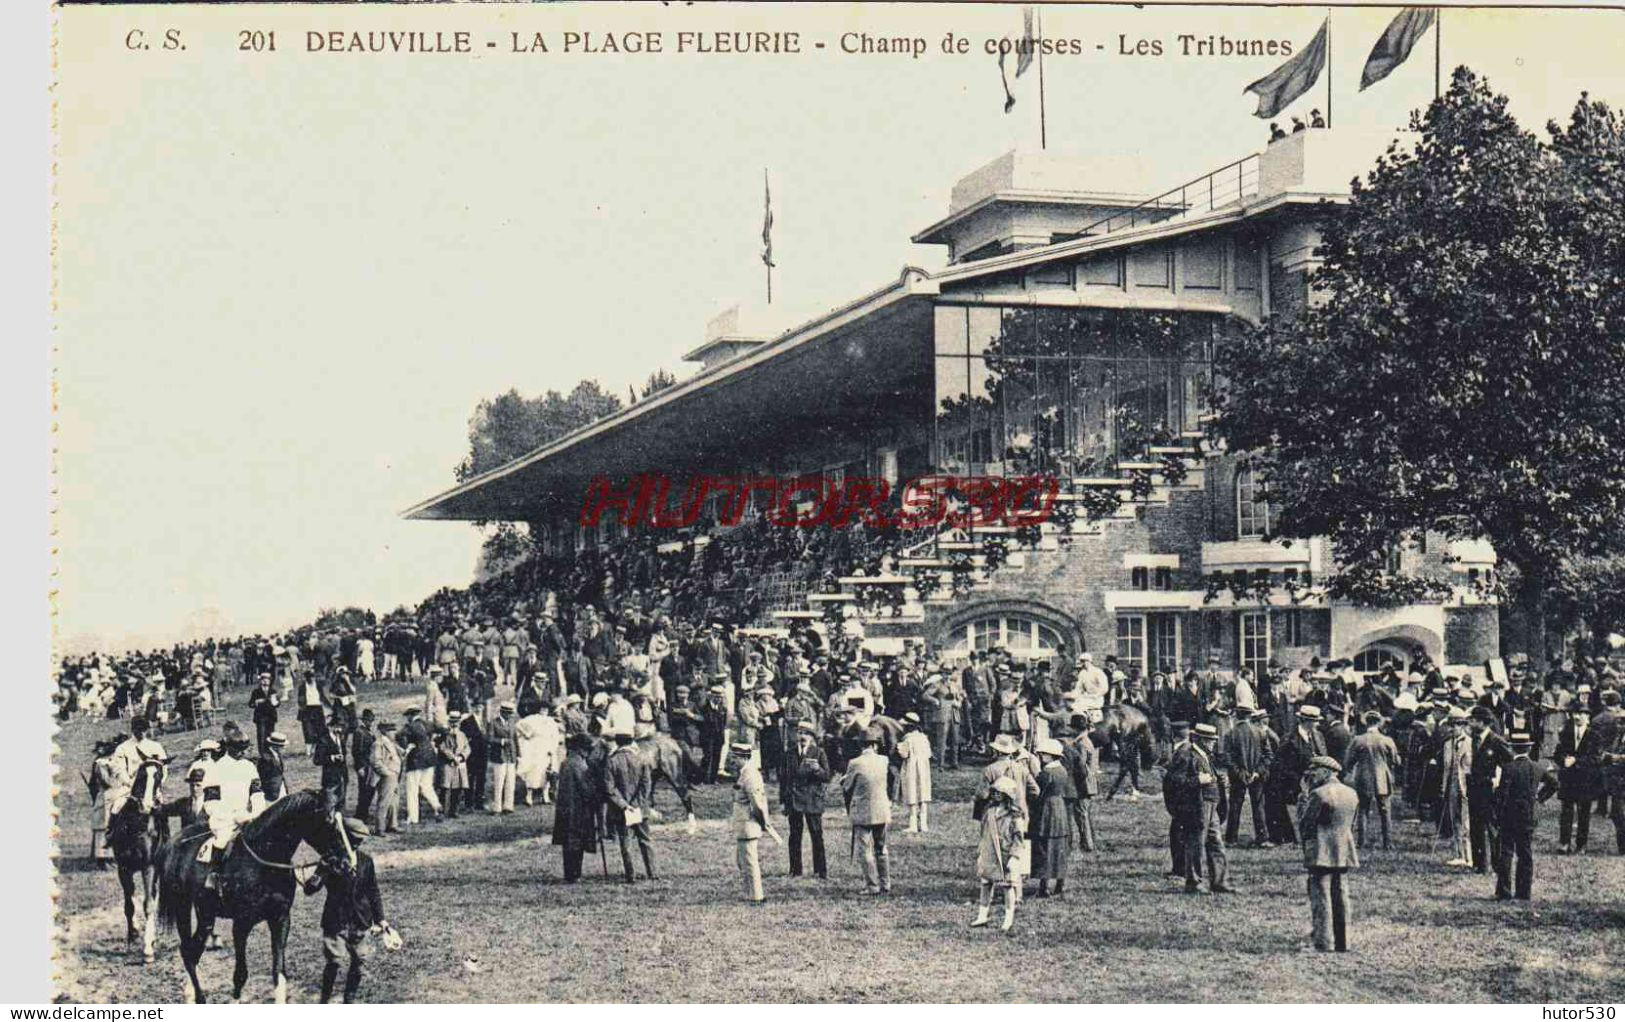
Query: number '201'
x,y
256,42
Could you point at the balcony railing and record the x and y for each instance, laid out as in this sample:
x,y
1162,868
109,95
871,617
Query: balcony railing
x,y
1230,183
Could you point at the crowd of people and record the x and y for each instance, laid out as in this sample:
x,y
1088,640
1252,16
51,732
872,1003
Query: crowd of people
x,y
582,683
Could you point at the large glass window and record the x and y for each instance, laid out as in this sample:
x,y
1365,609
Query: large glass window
x,y
1131,639
1065,390
1373,659
1022,636
1255,641
1252,513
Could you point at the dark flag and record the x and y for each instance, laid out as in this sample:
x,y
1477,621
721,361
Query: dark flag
x,y
767,222
1024,57
1396,43
1292,79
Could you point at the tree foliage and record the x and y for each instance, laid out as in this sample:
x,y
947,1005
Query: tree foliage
x,y
1461,369
510,425
658,381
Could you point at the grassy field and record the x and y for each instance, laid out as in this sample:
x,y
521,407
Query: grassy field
x,y
489,888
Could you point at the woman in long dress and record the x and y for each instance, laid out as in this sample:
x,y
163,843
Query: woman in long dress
x,y
1051,830
914,777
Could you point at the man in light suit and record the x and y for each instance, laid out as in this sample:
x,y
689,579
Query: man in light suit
x,y
1372,764
1326,828
868,807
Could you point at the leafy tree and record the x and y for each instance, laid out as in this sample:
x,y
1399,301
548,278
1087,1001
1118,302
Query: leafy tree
x,y
658,381
1461,370
510,426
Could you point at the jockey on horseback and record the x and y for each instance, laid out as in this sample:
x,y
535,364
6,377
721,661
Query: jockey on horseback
x,y
231,797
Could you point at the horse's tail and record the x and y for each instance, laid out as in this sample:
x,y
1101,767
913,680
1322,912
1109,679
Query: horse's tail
x,y
168,864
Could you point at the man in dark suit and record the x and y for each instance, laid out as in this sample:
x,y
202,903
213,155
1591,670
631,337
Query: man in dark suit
x,y
803,785
1326,824
1195,795
1287,771
263,703
1490,753
1372,767
272,769
366,780
1579,781
1249,749
1524,782
1604,745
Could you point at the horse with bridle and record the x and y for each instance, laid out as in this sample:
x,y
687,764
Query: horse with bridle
x,y
134,836
666,758
255,883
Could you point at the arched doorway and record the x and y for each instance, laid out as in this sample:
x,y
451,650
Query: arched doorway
x,y
1028,631
1374,658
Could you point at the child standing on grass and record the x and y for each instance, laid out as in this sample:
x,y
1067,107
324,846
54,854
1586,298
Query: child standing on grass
x,y
1003,856
915,775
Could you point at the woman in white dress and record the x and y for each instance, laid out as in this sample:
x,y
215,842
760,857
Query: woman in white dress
x,y
914,777
539,740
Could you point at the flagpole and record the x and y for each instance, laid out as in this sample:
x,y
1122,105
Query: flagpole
x,y
1043,140
1438,47
1328,69
768,212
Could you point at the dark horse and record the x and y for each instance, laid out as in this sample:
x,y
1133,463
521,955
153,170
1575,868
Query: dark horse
x,y
667,758
256,884
134,838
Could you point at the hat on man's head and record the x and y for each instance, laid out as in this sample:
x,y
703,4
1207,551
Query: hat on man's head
x,y
507,705
1326,763
386,727
1179,727
744,748
1005,744
1309,711
911,718
367,714
1482,714
1204,731
806,727
1050,747
1610,697
208,745
436,669
1520,738
1371,717
412,711
1458,714
454,714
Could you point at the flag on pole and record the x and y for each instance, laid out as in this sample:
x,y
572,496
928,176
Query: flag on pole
x,y
1396,42
767,221
1294,78
1024,57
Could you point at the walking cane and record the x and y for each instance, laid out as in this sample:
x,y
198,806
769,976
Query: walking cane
x,y
598,828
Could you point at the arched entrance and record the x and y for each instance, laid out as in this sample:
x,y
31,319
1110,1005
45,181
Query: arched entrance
x,y
1028,630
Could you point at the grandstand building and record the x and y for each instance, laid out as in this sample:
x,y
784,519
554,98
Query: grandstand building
x,y
1072,332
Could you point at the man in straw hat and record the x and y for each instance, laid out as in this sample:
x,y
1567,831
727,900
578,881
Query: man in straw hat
x,y
1326,826
750,819
803,795
1291,764
868,807
1195,794
627,782
1525,782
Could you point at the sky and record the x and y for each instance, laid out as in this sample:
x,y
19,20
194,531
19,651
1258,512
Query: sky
x,y
285,280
